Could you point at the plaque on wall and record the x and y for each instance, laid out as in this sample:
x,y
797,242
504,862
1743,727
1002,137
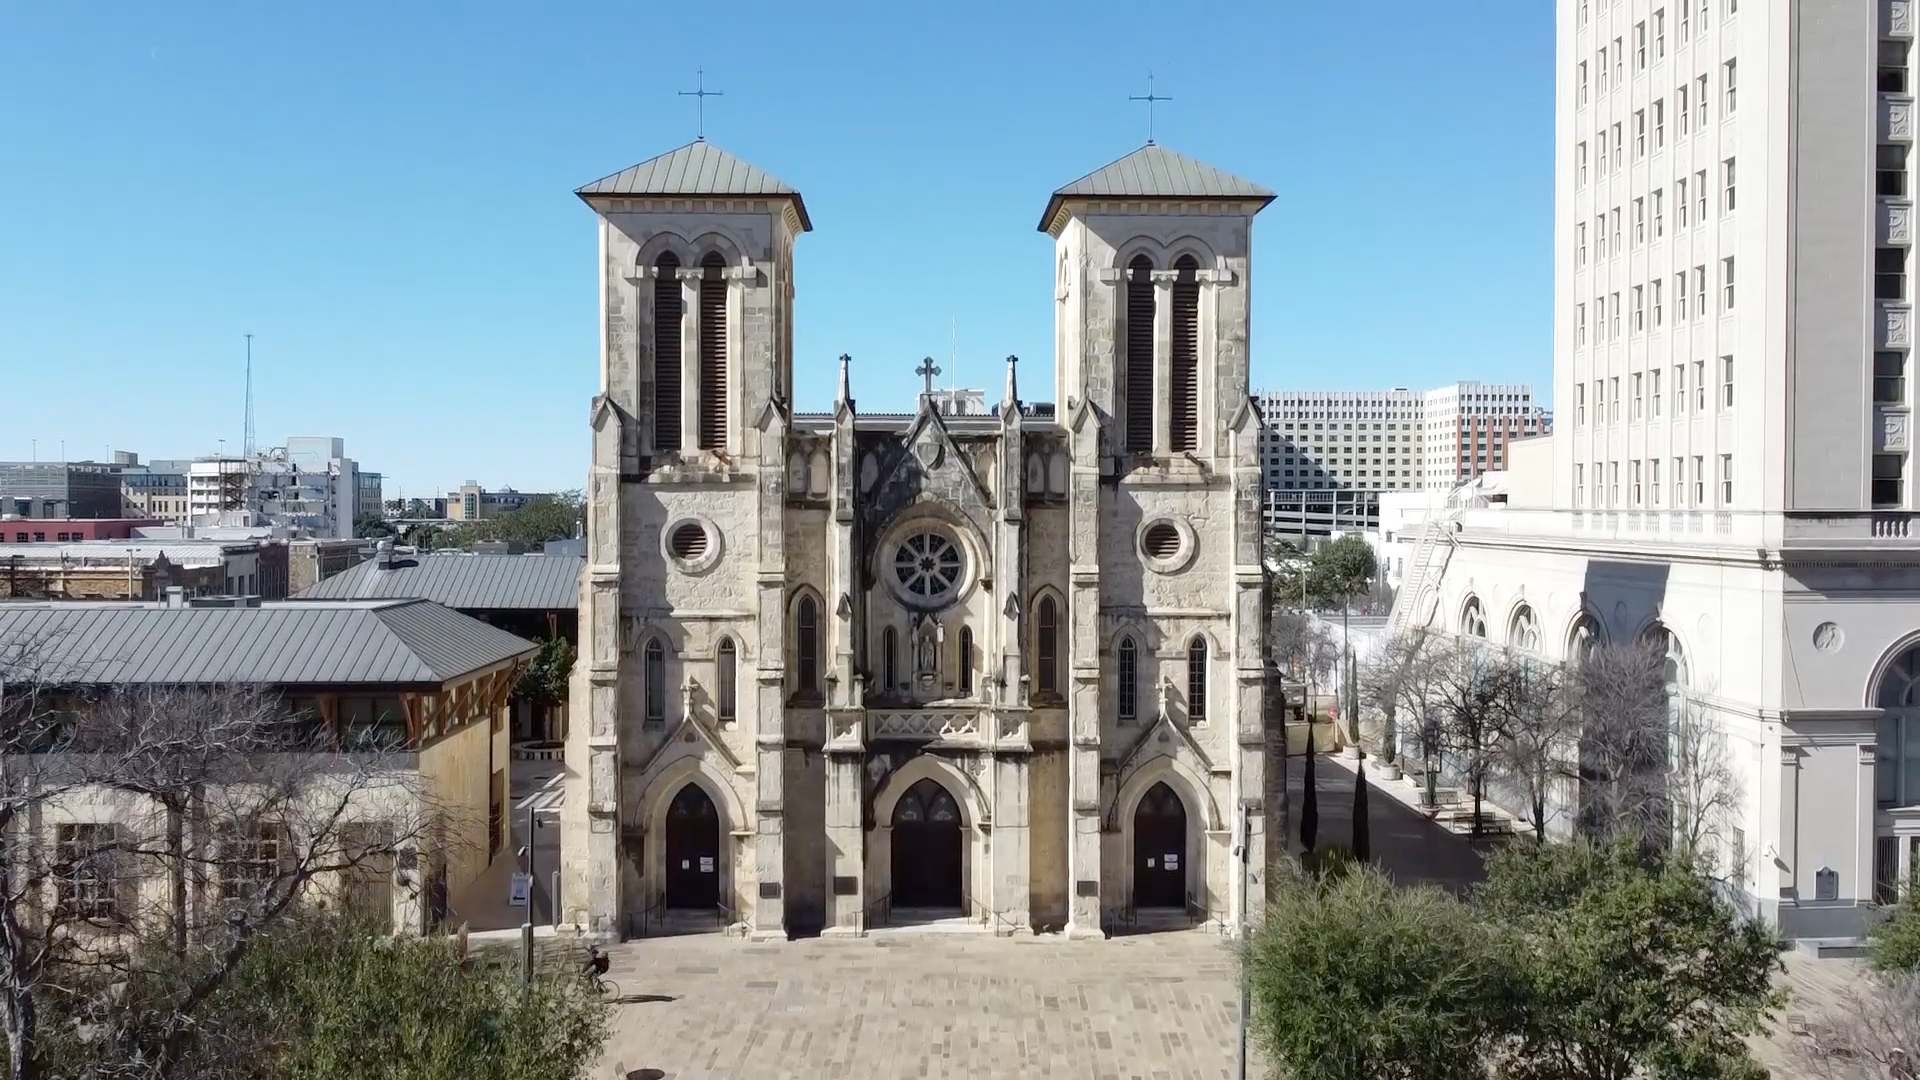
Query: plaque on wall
x,y
1086,888
769,890
846,886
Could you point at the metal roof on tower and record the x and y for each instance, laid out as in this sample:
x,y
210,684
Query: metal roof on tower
x,y
697,169
1155,172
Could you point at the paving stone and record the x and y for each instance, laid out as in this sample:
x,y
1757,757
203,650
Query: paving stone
x,y
1155,1006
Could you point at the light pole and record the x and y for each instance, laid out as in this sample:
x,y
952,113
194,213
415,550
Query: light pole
x,y
1246,995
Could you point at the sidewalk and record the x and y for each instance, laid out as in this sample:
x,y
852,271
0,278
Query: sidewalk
x,y
1408,847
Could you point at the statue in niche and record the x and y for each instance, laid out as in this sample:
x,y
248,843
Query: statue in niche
x,y
928,642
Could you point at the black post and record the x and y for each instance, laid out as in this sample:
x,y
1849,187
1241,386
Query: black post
x,y
1309,799
1362,840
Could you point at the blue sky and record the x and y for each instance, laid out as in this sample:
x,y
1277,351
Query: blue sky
x,y
381,194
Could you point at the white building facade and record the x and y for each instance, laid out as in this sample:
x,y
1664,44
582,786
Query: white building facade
x,y
1732,330
1002,665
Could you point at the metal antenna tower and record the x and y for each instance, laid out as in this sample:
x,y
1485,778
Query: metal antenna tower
x,y
246,440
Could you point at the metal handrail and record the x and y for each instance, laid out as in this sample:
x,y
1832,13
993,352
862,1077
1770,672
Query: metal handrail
x,y
884,906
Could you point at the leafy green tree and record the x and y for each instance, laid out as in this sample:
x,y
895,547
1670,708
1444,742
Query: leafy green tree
x,y
324,997
1895,943
371,527
1626,968
1341,570
544,683
542,518
1354,978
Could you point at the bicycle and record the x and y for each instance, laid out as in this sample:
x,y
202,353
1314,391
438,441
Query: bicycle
x,y
596,969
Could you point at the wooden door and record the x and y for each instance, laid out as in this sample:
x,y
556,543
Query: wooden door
x,y
693,850
927,845
1160,850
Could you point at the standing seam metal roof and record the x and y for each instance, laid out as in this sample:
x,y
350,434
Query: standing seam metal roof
x,y
393,642
1155,172
462,582
698,168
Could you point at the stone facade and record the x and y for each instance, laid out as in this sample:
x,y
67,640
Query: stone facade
x,y
843,669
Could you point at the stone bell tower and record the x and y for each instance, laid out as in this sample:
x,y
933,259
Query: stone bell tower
x,y
681,621
1152,257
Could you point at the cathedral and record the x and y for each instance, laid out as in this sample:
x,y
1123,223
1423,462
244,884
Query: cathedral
x,y
998,666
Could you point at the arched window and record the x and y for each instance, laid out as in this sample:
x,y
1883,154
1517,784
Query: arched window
x,y
889,657
1197,679
1184,376
1128,669
667,310
1583,637
1473,619
966,659
806,646
1046,647
726,660
1139,380
1524,632
713,353
1897,770
655,678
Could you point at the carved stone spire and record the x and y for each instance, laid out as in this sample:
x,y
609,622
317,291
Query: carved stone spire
x,y
1012,399
846,383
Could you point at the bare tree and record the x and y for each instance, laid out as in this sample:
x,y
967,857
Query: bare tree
x,y
1383,682
1539,723
147,836
1873,1034
1654,761
1419,691
1471,683
1620,692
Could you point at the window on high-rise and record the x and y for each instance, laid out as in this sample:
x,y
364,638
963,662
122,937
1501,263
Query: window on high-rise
x,y
1639,134
1699,480
1656,303
1653,386
1726,479
1618,245
1700,101
1726,382
1890,273
1580,165
1639,221
1580,244
1653,480
1580,86
1699,386
1890,162
1659,35
1602,63
1726,186
1639,309
1638,396
1680,202
1619,62
1640,47
1680,108
1619,147
1893,66
1889,479
1613,399
1890,376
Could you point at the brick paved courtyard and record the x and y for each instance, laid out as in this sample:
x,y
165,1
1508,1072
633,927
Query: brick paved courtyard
x,y
1149,1007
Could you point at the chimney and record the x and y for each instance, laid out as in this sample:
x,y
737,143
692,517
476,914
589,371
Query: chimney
x,y
383,554
176,597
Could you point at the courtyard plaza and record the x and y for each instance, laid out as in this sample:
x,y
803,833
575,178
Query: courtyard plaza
x,y
912,1003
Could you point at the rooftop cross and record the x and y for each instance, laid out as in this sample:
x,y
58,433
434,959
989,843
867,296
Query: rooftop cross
x,y
1149,97
701,95
927,370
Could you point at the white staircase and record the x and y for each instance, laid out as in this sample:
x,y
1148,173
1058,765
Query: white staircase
x,y
1429,562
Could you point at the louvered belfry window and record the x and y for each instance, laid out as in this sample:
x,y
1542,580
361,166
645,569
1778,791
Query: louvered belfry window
x,y
1185,381
1139,377
713,354
666,353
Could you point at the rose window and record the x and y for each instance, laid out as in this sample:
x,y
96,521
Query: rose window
x,y
927,565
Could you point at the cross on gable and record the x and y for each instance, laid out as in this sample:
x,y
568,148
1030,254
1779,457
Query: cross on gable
x,y
927,370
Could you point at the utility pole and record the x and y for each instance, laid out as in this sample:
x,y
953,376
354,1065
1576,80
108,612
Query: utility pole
x,y
1246,994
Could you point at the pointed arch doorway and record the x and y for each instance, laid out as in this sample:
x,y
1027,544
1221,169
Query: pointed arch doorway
x,y
927,848
1160,850
693,851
